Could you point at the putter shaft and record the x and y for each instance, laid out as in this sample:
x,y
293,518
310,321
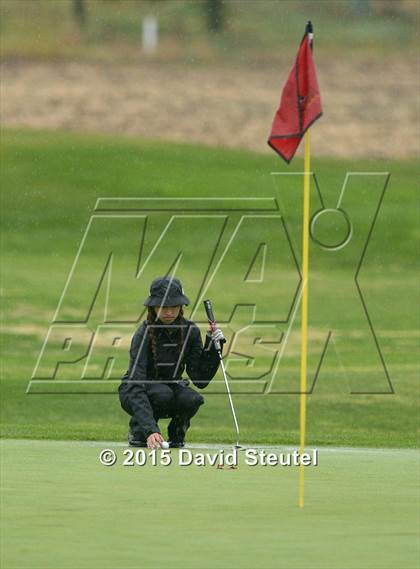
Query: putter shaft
x,y
232,408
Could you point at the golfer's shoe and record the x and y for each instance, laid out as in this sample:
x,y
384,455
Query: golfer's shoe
x,y
176,444
134,440
176,432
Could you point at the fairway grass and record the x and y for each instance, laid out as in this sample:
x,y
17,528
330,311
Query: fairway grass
x,y
51,182
62,509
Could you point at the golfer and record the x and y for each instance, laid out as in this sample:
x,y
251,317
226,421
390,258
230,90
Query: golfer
x,y
163,347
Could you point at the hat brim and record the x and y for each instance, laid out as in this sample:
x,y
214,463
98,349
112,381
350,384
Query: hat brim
x,y
168,301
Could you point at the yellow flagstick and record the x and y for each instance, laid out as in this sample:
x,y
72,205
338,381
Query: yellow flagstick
x,y
304,306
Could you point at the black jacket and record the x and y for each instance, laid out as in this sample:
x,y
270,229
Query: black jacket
x,y
200,363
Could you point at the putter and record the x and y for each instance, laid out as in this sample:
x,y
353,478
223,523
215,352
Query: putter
x,y
212,322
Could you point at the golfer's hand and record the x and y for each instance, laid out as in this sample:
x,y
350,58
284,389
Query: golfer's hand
x,y
218,336
154,440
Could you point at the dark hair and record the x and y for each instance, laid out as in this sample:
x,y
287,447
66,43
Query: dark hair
x,y
151,319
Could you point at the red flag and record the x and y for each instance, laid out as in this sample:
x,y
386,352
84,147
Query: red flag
x,y
300,104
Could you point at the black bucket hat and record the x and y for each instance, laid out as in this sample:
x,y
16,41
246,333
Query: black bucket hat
x,y
166,291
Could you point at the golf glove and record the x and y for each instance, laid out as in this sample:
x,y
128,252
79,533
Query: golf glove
x,y
218,336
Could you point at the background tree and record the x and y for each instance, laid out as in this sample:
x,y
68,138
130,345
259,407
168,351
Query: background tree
x,y
79,12
215,12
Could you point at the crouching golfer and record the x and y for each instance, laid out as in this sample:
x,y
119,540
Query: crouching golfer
x,y
163,347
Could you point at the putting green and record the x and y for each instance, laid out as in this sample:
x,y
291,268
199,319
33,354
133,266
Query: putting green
x,y
62,509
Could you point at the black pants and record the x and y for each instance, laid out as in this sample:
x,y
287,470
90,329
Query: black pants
x,y
174,400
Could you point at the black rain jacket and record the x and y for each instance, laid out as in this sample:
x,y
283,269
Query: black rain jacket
x,y
200,363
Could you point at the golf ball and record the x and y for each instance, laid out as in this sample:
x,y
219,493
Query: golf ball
x,y
164,445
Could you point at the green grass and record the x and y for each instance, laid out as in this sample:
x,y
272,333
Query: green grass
x,y
62,509
47,29
50,184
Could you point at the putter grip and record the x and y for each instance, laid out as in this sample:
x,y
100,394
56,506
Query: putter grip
x,y
209,311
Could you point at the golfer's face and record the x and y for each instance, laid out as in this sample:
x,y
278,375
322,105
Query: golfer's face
x,y
167,314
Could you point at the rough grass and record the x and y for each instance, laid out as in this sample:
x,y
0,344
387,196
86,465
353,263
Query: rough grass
x,y
113,30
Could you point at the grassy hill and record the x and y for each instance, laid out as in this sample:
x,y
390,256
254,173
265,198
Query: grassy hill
x,y
253,32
